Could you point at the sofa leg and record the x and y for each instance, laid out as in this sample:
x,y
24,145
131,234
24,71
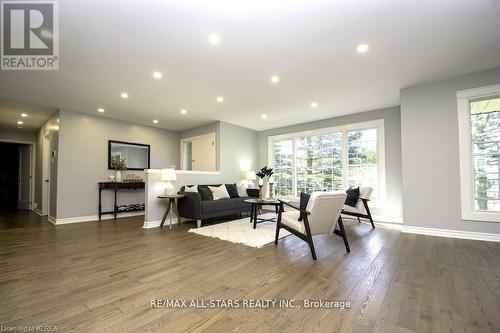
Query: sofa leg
x,y
198,223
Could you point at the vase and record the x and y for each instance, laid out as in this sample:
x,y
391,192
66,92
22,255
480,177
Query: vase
x,y
271,190
118,176
260,191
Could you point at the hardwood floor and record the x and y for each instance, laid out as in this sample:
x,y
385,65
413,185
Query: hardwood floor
x,y
101,277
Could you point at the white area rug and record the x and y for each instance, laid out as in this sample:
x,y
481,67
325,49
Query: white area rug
x,y
242,231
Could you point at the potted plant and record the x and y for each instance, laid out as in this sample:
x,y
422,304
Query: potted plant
x,y
119,164
263,173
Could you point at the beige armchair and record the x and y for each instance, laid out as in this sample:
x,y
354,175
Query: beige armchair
x,y
321,217
361,209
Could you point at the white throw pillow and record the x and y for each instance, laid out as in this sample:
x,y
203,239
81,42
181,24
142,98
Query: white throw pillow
x,y
193,188
219,192
242,190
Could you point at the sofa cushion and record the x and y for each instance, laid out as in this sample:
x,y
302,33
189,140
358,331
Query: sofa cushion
x,y
205,193
232,190
220,205
219,192
242,190
193,188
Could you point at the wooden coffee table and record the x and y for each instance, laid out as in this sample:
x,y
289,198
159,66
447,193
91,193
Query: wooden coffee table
x,y
256,203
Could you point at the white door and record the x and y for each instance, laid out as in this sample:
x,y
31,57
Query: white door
x,y
24,177
203,153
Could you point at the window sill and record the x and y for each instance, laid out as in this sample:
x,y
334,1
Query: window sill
x,y
481,216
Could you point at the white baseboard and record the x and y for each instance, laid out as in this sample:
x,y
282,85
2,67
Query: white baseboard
x,y
451,233
38,211
89,218
156,224
387,219
51,219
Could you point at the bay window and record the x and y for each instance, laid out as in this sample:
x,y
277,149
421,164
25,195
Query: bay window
x,y
330,159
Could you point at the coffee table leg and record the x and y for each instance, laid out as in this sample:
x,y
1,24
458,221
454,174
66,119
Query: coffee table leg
x,y
255,217
251,213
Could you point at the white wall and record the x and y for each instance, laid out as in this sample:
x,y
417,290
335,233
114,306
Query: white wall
x,y
83,160
430,155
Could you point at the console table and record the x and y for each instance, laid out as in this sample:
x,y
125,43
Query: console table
x,y
115,186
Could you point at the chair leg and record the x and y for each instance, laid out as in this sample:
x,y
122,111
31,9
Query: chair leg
x,y
311,246
309,236
359,221
277,234
368,213
278,225
344,235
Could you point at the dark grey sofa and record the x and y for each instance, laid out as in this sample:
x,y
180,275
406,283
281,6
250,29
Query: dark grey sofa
x,y
193,207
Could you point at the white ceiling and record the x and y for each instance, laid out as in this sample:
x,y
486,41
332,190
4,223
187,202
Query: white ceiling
x,y
11,110
112,46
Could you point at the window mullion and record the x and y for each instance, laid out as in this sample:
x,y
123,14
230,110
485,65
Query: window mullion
x,y
294,169
345,160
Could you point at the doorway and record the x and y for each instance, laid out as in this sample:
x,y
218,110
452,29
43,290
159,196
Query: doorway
x,y
16,181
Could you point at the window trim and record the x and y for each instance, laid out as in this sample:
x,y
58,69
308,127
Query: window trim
x,y
378,124
464,97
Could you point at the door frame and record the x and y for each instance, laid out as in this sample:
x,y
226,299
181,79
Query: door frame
x,y
33,169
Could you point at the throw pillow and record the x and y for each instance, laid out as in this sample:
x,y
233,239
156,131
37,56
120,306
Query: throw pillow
x,y
242,190
304,199
193,188
352,196
205,193
232,190
219,192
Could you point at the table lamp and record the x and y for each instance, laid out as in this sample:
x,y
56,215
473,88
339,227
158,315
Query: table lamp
x,y
251,176
168,175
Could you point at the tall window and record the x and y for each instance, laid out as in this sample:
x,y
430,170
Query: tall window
x,y
485,130
362,159
479,134
330,159
282,153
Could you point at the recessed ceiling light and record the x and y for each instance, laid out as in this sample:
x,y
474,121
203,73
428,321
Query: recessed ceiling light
x,y
155,121
220,99
157,75
24,115
124,95
275,79
314,105
362,48
101,110
19,122
214,39
263,116
183,111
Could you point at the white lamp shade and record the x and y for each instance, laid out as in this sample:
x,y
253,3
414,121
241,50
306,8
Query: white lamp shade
x,y
168,175
251,175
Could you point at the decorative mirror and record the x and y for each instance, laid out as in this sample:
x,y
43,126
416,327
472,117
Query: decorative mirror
x,y
136,156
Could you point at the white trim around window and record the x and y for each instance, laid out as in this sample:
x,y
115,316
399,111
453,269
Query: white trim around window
x,y
465,149
377,124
